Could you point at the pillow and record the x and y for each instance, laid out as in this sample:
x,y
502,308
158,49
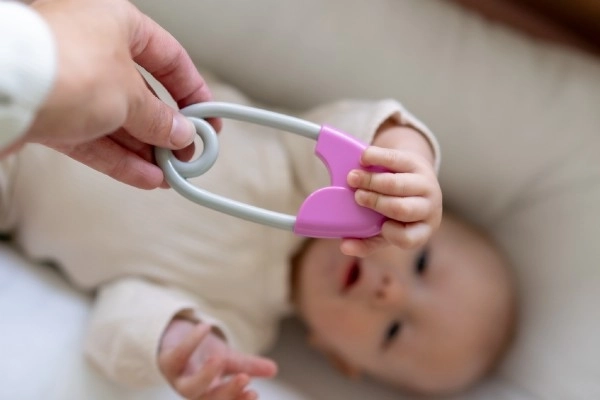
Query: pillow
x,y
517,119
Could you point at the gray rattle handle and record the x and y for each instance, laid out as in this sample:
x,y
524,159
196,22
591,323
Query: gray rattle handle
x,y
176,171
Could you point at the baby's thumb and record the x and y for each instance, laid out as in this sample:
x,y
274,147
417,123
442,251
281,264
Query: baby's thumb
x,y
152,121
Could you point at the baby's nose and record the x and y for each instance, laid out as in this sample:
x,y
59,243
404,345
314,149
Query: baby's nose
x,y
389,292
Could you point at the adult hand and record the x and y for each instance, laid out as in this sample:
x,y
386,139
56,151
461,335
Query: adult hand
x,y
201,366
100,111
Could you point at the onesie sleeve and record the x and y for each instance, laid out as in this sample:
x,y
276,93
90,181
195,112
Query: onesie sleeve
x,y
28,63
129,318
360,119
127,323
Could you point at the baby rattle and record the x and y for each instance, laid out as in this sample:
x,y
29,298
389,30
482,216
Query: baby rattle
x,y
329,212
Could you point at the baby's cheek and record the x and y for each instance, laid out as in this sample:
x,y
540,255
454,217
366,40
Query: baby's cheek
x,y
325,317
341,326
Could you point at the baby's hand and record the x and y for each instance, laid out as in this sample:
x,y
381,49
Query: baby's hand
x,y
199,365
409,195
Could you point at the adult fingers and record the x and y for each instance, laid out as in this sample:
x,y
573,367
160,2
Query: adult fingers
x,y
174,360
109,157
163,57
143,149
152,121
125,140
186,153
251,365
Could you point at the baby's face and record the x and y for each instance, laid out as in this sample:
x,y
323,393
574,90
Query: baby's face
x,y
432,320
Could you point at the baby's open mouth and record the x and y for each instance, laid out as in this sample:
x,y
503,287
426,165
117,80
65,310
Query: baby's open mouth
x,y
352,277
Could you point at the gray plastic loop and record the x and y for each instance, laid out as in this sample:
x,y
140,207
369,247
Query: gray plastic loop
x,y
176,171
209,154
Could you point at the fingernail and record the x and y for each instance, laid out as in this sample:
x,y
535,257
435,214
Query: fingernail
x,y
353,178
182,131
360,196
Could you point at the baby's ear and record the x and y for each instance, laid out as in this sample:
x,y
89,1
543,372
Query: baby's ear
x,y
346,368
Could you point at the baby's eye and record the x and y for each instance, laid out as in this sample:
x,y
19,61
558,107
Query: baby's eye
x,y
392,332
421,262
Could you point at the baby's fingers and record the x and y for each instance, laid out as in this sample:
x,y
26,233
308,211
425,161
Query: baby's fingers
x,y
252,365
233,389
198,384
406,236
391,159
390,183
362,247
173,360
404,209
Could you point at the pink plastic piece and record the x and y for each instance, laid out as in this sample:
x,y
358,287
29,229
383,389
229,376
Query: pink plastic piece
x,y
331,212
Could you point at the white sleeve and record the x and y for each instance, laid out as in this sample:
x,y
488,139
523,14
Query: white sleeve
x,y
126,326
28,63
130,316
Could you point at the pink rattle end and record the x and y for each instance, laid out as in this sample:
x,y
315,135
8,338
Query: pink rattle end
x,y
331,212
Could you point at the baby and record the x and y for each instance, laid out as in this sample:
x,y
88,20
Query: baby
x,y
187,295
431,320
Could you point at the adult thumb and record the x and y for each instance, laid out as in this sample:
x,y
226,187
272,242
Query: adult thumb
x,y
152,121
